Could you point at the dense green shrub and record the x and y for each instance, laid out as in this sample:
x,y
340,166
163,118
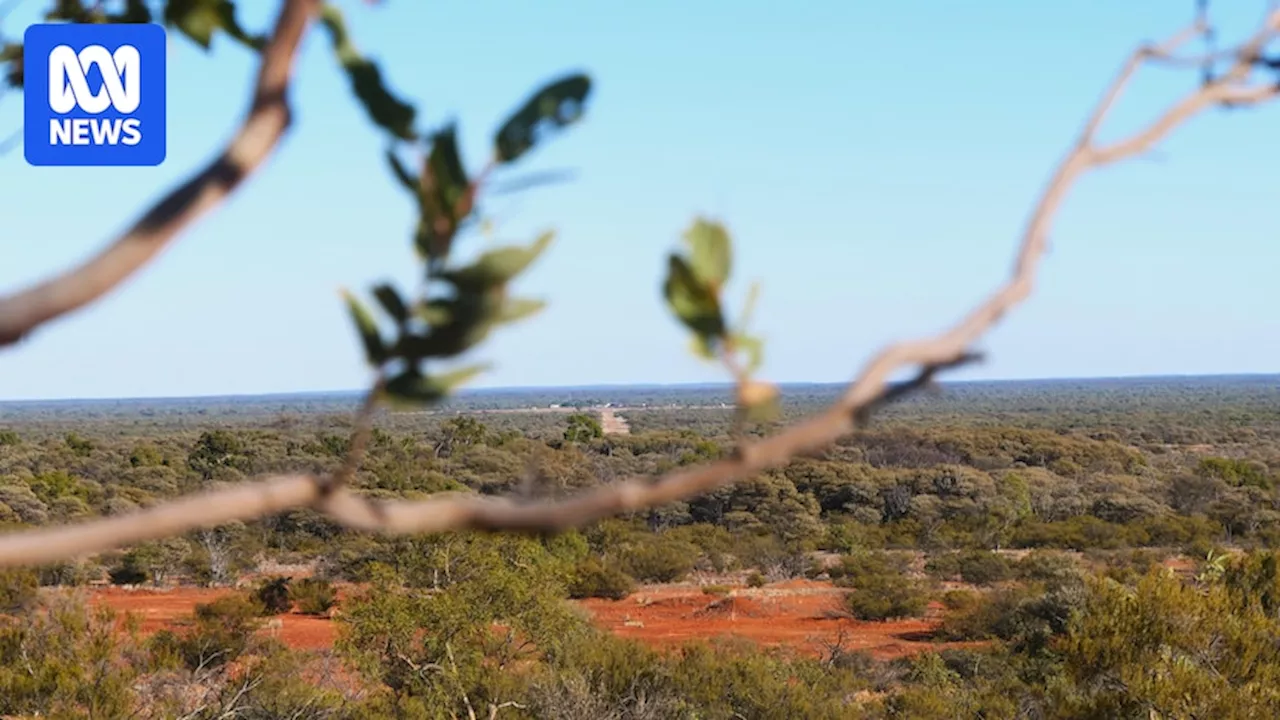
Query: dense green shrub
x,y
658,559
128,572
981,567
314,596
886,596
218,632
274,596
593,578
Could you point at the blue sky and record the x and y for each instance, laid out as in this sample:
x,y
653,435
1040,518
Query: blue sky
x,y
875,162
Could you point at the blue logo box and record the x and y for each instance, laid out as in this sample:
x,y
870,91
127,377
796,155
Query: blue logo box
x,y
94,94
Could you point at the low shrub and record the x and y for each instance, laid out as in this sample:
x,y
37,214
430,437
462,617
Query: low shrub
x,y
592,578
885,596
984,568
274,596
314,596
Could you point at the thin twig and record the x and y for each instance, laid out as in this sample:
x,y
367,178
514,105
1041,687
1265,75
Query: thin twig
x,y
268,119
870,390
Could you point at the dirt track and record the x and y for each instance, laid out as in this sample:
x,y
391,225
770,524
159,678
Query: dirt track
x,y
613,423
797,614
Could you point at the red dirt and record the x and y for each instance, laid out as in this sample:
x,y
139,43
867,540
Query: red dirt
x,y
800,614
160,609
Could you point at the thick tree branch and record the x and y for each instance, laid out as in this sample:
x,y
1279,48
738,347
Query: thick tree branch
x,y
263,127
868,391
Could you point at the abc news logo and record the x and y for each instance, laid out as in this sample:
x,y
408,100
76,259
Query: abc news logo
x,y
95,94
69,89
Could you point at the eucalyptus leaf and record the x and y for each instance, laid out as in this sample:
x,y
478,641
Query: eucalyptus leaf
x,y
516,309
386,110
447,174
199,19
702,348
374,349
497,267
402,173
710,252
557,105
692,301
412,386
391,301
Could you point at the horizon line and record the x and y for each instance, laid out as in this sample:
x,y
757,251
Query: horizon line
x,y
634,386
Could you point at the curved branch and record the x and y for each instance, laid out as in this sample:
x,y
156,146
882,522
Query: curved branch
x,y
867,392
262,129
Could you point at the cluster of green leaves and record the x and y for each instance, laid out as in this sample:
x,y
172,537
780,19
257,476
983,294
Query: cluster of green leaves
x,y
458,307
694,290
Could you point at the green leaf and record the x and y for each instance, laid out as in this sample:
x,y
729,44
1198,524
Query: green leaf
x,y
402,173
411,385
701,348
446,172
199,19
497,267
463,321
444,196
556,106
391,301
517,309
710,252
386,110
436,312
374,349
692,301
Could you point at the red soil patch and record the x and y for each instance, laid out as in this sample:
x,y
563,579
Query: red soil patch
x,y
160,609
801,614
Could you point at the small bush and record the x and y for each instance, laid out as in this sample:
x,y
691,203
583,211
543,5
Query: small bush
x,y
128,572
219,632
1047,566
314,596
984,568
756,580
274,596
717,590
943,567
658,559
886,597
960,600
592,578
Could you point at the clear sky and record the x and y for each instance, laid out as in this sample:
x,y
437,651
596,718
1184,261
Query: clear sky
x,y
874,160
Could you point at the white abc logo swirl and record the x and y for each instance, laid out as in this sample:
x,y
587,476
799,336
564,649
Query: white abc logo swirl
x,y
121,79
